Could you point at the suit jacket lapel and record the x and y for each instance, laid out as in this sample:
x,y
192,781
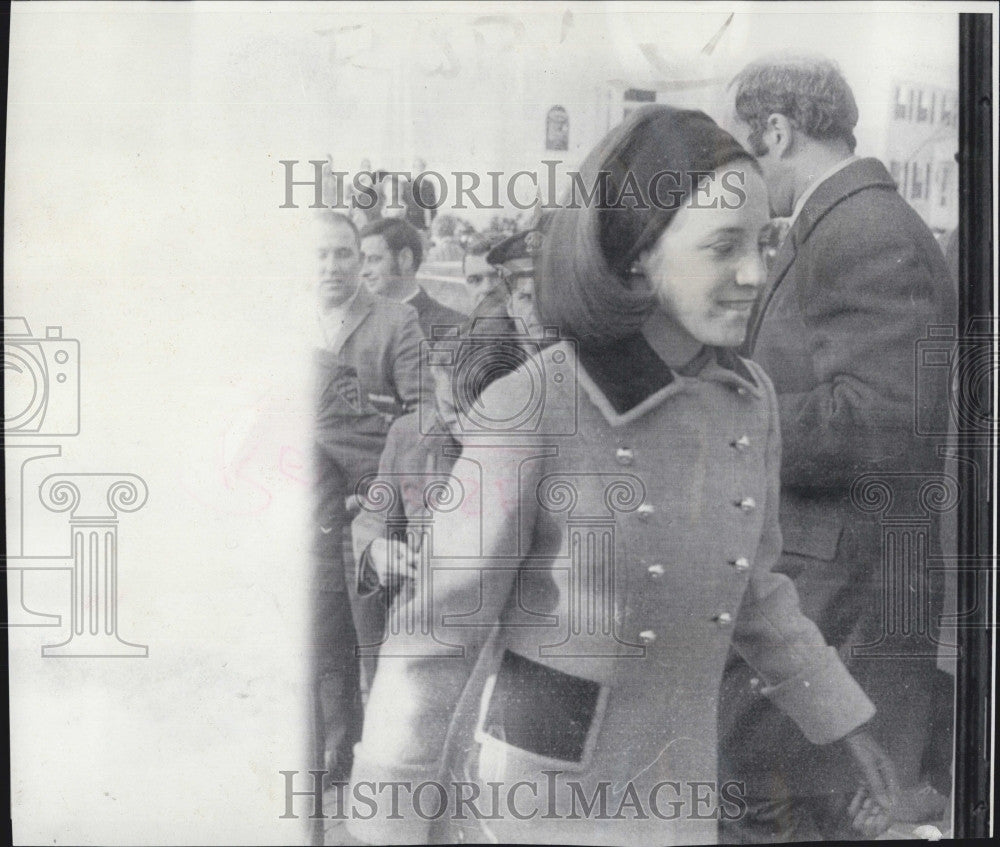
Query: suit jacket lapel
x,y
855,177
356,314
782,262
418,301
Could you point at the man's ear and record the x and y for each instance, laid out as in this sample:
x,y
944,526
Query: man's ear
x,y
779,134
404,258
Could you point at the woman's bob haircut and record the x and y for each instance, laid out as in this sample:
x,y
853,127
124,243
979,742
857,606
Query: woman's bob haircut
x,y
633,182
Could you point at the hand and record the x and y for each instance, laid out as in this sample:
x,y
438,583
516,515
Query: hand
x,y
392,559
872,805
867,816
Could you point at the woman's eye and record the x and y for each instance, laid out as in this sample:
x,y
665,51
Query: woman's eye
x,y
723,248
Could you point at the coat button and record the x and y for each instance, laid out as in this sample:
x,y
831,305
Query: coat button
x,y
655,571
747,504
741,390
741,564
647,636
624,456
723,619
741,444
644,511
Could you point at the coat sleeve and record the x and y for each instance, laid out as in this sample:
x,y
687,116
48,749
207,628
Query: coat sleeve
x,y
404,360
423,668
804,676
869,289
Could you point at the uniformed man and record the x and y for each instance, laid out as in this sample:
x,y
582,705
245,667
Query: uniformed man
x,y
515,260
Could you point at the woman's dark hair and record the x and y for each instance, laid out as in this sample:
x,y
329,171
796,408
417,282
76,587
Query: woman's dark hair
x,y
632,184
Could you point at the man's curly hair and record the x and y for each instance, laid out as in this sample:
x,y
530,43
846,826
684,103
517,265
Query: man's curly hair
x,y
808,90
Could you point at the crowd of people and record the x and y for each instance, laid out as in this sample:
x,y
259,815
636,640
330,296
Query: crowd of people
x,y
690,607
413,197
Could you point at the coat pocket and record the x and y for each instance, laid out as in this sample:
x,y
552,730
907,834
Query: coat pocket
x,y
542,716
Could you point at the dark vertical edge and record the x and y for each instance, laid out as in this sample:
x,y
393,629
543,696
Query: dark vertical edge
x,y
975,665
5,778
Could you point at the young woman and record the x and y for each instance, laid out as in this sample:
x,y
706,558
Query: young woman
x,y
623,539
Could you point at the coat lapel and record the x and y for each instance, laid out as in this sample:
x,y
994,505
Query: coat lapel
x,y
782,262
855,177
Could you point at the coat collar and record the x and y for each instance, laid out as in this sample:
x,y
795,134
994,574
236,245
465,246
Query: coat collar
x,y
648,379
857,176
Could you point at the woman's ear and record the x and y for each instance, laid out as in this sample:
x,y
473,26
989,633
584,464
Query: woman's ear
x,y
638,273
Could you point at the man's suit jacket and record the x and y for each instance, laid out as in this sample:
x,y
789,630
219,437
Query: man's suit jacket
x,y
852,289
372,366
381,340
432,313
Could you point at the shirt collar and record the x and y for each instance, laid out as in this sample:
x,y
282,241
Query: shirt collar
x,y
816,183
332,319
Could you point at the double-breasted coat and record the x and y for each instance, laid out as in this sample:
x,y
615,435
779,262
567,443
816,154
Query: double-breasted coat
x,y
856,285
607,549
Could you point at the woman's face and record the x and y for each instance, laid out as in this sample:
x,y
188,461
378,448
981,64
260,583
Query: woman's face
x,y
706,269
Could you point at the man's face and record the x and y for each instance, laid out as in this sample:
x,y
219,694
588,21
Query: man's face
x,y
778,175
521,302
706,269
338,264
380,267
481,278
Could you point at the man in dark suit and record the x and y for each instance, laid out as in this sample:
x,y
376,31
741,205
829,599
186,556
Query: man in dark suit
x,y
366,373
393,251
852,288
